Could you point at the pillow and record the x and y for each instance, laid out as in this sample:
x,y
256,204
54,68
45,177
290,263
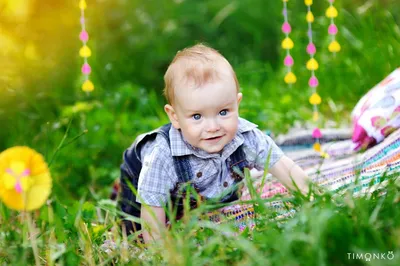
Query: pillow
x,y
377,114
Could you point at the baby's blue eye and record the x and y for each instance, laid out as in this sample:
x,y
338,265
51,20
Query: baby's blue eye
x,y
223,112
196,117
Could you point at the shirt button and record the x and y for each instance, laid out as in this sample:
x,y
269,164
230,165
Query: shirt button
x,y
199,174
225,184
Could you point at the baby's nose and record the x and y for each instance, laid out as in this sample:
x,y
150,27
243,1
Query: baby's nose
x,y
213,126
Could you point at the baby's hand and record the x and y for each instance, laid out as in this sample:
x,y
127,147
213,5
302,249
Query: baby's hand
x,y
255,174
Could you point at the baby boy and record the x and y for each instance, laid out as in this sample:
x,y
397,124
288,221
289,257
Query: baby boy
x,y
205,139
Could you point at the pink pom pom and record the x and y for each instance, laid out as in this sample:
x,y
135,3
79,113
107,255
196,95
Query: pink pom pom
x,y
317,133
286,28
332,30
86,69
313,82
84,36
311,48
288,61
331,1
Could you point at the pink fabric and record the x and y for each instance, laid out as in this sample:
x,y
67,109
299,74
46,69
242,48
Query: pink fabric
x,y
377,114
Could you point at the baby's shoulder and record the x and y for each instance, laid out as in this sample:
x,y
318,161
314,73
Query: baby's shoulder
x,y
250,132
157,147
254,138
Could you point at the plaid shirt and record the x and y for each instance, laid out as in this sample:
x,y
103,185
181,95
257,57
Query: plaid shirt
x,y
158,175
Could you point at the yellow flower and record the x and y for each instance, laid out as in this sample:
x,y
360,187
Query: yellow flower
x,y
25,181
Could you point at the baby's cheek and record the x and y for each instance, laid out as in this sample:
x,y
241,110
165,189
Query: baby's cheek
x,y
195,132
233,127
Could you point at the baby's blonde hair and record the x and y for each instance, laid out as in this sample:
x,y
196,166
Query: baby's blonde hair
x,y
199,64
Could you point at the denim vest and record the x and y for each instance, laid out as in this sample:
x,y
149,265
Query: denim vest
x,y
132,165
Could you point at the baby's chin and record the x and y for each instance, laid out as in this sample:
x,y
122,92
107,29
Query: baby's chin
x,y
212,151
214,147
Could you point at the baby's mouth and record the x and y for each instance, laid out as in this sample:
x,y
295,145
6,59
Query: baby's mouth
x,y
214,138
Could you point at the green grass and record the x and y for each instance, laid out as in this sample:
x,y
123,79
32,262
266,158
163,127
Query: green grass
x,y
325,231
42,99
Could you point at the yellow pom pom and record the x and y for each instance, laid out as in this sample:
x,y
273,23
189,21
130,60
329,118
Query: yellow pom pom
x,y
312,64
285,0
308,2
315,99
334,47
331,12
317,147
310,17
85,51
82,4
290,78
315,116
88,86
287,43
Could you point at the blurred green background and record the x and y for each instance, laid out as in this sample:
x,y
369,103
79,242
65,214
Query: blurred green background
x,y
132,44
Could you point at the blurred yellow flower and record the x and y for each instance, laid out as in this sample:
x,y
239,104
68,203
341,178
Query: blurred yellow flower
x,y
25,181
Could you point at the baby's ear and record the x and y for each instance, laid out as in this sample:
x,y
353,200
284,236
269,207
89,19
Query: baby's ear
x,y
172,116
239,97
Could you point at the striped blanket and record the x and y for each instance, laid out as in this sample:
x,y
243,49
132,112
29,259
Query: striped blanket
x,y
338,173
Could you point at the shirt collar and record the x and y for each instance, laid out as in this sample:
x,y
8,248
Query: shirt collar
x,y
180,147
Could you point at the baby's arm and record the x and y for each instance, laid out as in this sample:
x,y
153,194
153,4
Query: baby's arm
x,y
153,222
281,166
285,170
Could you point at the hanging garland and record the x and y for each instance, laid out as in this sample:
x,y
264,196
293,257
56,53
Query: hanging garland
x,y
332,13
287,44
85,51
312,65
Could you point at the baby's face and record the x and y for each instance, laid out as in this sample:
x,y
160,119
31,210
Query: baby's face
x,y
208,115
